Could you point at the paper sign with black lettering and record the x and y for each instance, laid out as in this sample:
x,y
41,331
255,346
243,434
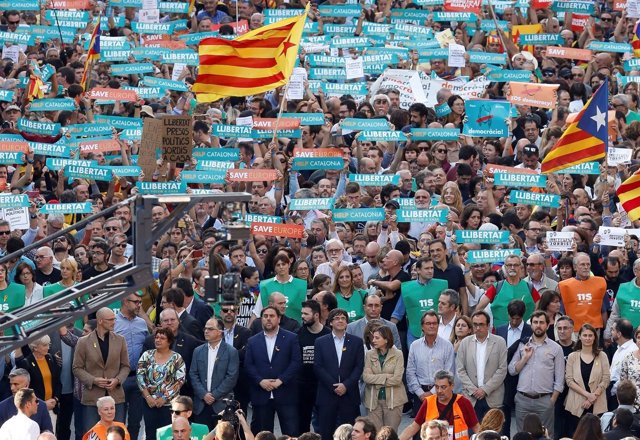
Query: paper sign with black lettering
x,y
559,241
610,236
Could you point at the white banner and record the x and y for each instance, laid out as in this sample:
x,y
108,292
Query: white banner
x,y
407,82
466,89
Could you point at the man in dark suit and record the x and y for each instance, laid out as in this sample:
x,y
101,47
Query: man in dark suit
x,y
18,379
338,363
184,344
237,336
192,304
272,363
174,298
517,330
209,389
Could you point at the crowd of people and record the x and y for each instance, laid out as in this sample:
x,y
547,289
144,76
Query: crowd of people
x,y
425,278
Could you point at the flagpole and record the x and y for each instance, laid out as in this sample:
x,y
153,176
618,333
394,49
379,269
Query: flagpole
x,y
284,98
500,33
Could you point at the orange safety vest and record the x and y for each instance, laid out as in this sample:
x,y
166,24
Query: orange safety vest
x,y
460,428
99,432
582,300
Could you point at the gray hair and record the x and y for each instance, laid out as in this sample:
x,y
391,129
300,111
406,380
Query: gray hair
x,y
55,218
46,250
20,372
42,341
343,432
578,255
622,98
454,296
444,374
334,241
105,400
636,264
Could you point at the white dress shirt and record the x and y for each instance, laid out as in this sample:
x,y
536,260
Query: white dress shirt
x,y
212,356
514,334
19,427
338,342
481,359
271,344
445,330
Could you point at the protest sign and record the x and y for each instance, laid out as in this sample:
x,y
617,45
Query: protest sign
x,y
261,218
490,256
112,94
204,176
520,180
422,215
465,89
67,208
14,200
317,152
559,241
482,237
20,146
151,140
219,154
533,198
277,230
18,217
486,118
358,215
610,236
310,204
102,145
619,156
354,68
318,163
456,55
274,123
176,135
161,187
214,165
569,53
536,95
374,179
407,82
251,175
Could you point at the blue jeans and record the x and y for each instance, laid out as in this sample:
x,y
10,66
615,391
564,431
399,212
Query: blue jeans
x,y
133,404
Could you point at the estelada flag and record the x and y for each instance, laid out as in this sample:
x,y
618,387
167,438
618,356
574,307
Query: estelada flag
x,y
635,40
93,54
34,87
629,195
256,62
586,139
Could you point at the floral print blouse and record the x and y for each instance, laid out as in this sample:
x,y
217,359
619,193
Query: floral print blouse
x,y
161,380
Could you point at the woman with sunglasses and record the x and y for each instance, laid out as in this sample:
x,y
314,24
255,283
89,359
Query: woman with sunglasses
x,y
439,155
160,375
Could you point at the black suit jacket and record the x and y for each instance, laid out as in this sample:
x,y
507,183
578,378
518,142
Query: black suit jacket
x,y
184,345
191,325
240,337
511,382
30,364
201,311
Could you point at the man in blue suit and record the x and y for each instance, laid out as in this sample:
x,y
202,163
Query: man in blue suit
x,y
272,363
19,378
517,330
214,372
338,363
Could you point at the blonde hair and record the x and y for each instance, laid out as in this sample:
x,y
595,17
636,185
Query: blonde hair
x,y
72,263
457,201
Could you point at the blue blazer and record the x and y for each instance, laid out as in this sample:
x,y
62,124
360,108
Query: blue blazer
x,y
285,365
325,365
8,409
201,310
223,380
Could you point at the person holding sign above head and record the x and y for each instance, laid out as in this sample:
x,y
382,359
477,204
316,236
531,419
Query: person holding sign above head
x,y
418,296
583,296
513,287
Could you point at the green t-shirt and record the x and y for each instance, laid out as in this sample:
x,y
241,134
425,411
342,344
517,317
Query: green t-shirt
x,y
353,305
52,289
198,432
628,299
503,298
419,298
12,298
295,291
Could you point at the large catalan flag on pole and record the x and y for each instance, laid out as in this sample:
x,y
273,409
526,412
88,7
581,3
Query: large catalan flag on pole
x,y
92,55
586,139
635,40
256,62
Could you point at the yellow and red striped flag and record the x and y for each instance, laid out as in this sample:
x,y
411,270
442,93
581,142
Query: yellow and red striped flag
x,y
629,195
92,55
635,40
256,62
34,88
586,139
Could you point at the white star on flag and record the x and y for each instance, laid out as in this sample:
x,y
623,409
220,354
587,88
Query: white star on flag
x,y
599,118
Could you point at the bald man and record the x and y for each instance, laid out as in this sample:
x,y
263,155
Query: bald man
x,y
181,429
390,285
101,364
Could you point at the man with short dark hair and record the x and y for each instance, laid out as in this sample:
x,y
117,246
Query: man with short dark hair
x,y
363,429
466,155
174,299
338,364
443,270
21,426
18,379
192,304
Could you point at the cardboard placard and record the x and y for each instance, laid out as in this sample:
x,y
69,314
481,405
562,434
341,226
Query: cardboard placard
x,y
251,175
569,53
176,138
112,94
150,141
277,230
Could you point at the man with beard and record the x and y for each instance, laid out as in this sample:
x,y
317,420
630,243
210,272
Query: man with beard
x,y
311,330
467,155
513,287
325,189
423,201
540,366
98,256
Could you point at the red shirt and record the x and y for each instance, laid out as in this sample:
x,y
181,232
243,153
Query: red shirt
x,y
468,412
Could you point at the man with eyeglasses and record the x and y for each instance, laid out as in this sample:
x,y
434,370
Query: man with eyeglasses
x,y
536,275
46,273
134,330
503,292
98,259
181,407
481,364
213,374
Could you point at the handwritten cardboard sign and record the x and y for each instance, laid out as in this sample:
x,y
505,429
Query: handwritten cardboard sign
x,y
176,138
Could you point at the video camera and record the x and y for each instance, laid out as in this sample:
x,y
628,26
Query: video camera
x,y
226,289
